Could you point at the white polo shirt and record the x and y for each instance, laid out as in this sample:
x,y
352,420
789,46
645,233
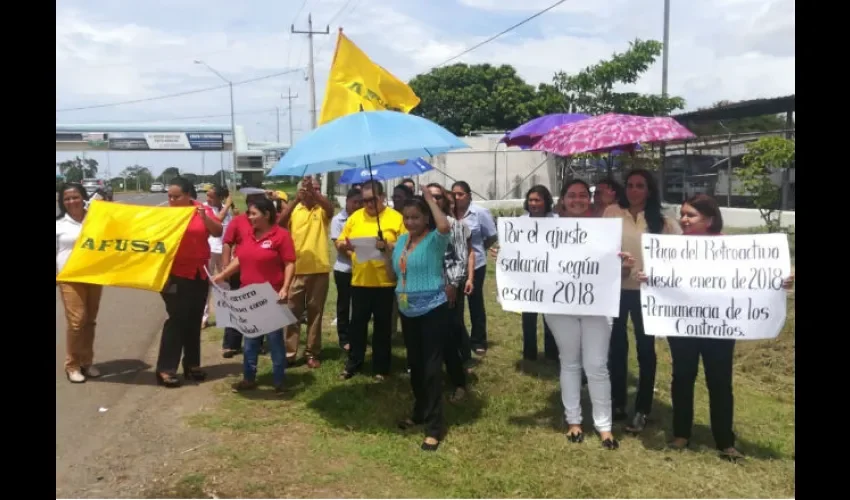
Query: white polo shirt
x,y
67,232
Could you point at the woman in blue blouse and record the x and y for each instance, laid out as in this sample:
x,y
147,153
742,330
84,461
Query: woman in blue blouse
x,y
417,262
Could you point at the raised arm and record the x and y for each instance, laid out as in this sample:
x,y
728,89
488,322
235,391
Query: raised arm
x,y
440,219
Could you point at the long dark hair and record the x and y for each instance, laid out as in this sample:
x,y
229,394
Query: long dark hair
x,y
266,207
418,202
61,199
544,193
707,207
652,210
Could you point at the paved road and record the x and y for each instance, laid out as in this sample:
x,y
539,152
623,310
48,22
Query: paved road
x,y
128,324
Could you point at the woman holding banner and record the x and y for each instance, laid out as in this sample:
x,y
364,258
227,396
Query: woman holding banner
x,y
583,343
700,216
640,212
185,293
538,203
81,300
268,256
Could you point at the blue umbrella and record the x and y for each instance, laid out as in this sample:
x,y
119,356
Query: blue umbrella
x,y
363,139
387,171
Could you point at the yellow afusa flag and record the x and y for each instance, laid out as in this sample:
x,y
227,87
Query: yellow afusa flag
x,y
128,246
356,81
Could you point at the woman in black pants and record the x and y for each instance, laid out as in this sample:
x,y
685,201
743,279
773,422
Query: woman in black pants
x,y
700,216
417,262
640,212
185,293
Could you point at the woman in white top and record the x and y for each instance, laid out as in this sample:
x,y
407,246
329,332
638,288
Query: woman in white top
x,y
81,300
218,198
583,343
538,203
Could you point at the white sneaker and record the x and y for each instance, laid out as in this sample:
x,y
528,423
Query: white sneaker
x,y
91,372
76,377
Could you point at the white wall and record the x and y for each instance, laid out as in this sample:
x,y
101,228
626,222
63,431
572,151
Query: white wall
x,y
492,170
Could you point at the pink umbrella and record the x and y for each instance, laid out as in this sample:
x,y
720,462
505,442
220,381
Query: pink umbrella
x,y
610,131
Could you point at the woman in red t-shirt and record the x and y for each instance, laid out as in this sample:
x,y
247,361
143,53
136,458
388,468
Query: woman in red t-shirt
x,y
185,293
268,256
700,216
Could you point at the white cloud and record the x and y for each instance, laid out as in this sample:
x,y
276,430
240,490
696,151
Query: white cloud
x,y
720,49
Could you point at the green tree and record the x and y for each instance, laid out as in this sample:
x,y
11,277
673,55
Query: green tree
x,y
168,174
591,90
78,169
463,98
549,100
138,177
764,157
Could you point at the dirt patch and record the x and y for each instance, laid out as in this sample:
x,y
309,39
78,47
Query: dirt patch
x,y
144,438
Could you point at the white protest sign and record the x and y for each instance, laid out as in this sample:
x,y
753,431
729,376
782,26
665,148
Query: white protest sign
x,y
559,265
252,310
727,287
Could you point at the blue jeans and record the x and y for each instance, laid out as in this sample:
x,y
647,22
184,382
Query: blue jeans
x,y
278,355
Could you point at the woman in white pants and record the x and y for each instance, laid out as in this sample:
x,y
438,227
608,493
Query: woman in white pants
x,y
583,343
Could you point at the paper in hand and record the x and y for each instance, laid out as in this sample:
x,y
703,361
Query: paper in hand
x,y
365,249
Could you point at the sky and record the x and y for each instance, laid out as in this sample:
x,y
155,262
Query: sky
x,y
108,52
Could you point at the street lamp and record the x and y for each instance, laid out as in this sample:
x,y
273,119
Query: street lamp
x,y
232,117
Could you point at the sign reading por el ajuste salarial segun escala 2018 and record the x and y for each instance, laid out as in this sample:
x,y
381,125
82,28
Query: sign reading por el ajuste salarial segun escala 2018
x,y
559,265
725,287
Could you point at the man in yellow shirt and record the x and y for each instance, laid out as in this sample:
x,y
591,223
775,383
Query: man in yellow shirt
x,y
372,289
308,219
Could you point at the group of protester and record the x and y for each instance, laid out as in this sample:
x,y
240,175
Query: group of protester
x,y
433,248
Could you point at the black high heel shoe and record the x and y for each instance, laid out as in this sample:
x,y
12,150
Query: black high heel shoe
x,y
195,374
575,437
167,380
610,444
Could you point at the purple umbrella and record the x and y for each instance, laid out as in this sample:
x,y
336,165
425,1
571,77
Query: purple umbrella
x,y
527,134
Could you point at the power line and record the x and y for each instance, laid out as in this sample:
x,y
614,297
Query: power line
x,y
517,25
179,94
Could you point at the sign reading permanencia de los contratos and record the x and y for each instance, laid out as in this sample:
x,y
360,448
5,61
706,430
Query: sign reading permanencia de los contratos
x,y
727,287
559,265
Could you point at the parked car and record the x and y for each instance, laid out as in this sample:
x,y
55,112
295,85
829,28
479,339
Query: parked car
x,y
94,185
157,187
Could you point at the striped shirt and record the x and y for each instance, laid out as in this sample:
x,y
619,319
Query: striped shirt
x,y
457,253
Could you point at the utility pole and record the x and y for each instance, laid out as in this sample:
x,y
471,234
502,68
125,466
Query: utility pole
x,y
289,96
312,76
665,49
277,119
311,69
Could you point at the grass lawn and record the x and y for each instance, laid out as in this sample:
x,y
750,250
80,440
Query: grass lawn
x,y
334,439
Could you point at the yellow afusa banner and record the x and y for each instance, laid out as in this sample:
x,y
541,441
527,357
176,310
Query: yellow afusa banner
x,y
128,246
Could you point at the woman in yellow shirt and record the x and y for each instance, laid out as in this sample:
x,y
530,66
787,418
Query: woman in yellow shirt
x,y
372,287
641,213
